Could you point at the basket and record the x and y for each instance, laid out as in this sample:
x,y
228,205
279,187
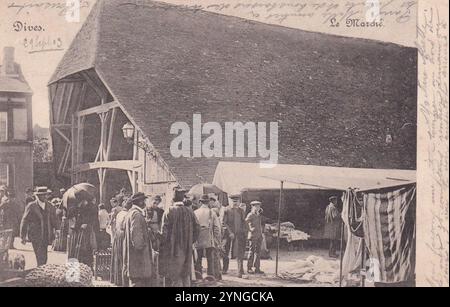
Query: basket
x,y
5,240
102,264
6,237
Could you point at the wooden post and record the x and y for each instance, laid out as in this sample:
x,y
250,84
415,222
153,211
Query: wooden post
x,y
80,143
341,254
279,227
111,133
74,149
101,179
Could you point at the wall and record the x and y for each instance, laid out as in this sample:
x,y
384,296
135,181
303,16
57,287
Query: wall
x,y
20,162
44,175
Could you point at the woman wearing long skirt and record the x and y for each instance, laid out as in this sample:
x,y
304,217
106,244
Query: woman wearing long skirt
x,y
83,225
60,244
117,276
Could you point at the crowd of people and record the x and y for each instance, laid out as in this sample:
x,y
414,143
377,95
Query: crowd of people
x,y
11,215
149,245
149,242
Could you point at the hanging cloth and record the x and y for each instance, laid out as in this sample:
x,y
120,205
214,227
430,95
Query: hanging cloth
x,y
351,261
389,233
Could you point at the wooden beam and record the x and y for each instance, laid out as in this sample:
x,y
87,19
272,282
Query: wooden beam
x,y
98,109
80,143
52,89
91,82
81,98
66,160
61,126
60,103
101,180
130,178
63,135
66,106
111,133
74,149
71,80
126,165
104,131
63,159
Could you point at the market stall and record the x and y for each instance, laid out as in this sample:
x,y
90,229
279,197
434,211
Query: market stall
x,y
282,181
379,218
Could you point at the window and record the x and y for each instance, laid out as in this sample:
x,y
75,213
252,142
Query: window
x,y
4,172
20,124
3,126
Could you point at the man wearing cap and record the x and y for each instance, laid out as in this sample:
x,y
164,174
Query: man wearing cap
x,y
255,236
234,235
38,225
209,232
332,226
137,245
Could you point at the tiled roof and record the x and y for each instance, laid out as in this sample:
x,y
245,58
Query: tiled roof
x,y
334,98
9,84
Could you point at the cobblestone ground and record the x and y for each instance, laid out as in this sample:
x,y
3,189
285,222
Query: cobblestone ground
x,y
286,260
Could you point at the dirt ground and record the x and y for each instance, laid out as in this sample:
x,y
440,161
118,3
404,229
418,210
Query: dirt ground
x,y
287,262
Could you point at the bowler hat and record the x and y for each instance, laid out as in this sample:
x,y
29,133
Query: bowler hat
x,y
204,198
41,190
235,196
332,197
137,196
255,203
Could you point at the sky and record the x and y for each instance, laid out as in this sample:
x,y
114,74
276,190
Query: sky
x,y
33,25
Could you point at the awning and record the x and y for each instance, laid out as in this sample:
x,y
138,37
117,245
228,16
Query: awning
x,y
233,177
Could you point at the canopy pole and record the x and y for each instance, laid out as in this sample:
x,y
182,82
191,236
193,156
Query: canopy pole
x,y
279,227
341,254
363,261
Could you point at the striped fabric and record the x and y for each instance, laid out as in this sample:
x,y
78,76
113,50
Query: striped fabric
x,y
389,232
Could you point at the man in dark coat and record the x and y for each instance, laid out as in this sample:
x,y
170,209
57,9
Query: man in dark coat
x,y
332,226
38,225
29,196
255,237
234,235
179,231
137,245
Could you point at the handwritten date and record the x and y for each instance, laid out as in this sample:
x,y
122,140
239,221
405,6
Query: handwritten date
x,y
39,43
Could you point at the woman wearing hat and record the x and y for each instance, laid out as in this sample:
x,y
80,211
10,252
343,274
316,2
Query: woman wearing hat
x,y
83,226
117,276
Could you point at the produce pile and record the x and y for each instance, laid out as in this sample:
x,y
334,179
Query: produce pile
x,y
313,270
72,274
288,232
